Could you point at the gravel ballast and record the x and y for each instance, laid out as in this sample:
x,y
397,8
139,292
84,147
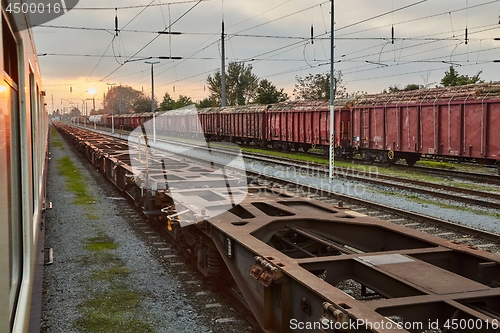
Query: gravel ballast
x,y
376,194
112,272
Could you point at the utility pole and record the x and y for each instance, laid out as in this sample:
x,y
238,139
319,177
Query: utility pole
x,y
112,111
332,97
120,106
223,68
152,63
92,91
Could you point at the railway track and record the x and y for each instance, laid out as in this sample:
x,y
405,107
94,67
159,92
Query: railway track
x,y
464,195
475,237
298,252
476,177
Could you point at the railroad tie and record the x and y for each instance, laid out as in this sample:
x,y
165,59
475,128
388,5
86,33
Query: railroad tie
x,y
397,221
412,224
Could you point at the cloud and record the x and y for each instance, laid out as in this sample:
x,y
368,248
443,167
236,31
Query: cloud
x,y
278,59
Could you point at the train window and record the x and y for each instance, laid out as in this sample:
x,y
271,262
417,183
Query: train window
x,y
34,138
10,63
10,174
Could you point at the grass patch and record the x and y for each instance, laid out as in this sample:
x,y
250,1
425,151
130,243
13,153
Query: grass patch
x,y
417,199
74,181
388,193
112,312
100,243
418,176
99,258
450,206
117,299
117,307
92,216
437,164
296,155
111,274
56,142
474,186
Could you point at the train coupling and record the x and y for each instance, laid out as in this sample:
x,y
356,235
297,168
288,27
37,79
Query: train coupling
x,y
336,319
265,272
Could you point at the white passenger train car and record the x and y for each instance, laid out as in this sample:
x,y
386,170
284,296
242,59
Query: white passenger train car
x,y
23,157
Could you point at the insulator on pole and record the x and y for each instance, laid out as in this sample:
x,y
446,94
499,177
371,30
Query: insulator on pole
x,y
312,34
116,21
466,36
223,68
392,32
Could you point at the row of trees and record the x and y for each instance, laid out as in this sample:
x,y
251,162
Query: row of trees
x,y
244,87
451,78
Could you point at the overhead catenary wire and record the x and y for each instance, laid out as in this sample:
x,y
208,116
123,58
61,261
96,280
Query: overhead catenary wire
x,y
147,44
412,20
134,6
274,52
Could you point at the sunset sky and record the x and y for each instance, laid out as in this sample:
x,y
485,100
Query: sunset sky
x,y
80,50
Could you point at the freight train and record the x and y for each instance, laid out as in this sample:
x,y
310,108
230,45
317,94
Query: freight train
x,y
299,264
23,155
459,123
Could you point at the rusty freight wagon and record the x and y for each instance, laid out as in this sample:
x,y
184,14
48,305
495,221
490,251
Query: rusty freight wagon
x,y
306,125
459,122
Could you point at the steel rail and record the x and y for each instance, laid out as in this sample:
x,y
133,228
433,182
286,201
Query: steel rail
x,y
467,230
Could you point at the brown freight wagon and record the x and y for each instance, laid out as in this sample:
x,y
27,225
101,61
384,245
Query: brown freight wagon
x,y
179,123
210,123
461,123
306,125
244,124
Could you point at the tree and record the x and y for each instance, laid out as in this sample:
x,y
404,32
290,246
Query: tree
x,y
120,99
75,112
206,103
143,104
409,87
451,78
167,103
317,87
182,101
241,84
267,93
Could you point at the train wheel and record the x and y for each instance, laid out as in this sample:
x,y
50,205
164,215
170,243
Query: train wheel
x,y
411,161
368,157
386,162
306,148
387,158
338,152
285,147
